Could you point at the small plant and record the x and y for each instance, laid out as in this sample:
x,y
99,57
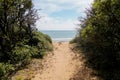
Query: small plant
x,y
19,78
5,68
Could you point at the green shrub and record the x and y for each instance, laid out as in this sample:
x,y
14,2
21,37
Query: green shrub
x,y
4,69
21,54
75,40
99,39
42,43
48,38
19,38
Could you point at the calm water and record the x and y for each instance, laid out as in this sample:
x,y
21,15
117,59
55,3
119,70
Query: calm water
x,y
60,35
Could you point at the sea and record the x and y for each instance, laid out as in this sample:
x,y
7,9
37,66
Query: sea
x,y
60,35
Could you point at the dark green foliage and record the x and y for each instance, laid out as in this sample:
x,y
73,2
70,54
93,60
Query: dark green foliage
x,y
21,54
99,39
4,69
19,39
41,44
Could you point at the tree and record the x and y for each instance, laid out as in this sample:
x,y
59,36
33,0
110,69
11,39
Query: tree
x,y
19,39
17,20
99,38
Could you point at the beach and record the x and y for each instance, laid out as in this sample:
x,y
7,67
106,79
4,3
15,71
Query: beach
x,y
60,35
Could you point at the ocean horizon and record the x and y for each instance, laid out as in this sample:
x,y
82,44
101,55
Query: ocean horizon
x,y
60,35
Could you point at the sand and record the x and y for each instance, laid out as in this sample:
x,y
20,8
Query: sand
x,y
61,64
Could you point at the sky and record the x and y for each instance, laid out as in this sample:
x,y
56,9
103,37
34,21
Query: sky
x,y
60,14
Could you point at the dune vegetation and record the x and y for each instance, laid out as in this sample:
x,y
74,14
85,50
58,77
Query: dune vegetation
x,y
99,39
20,41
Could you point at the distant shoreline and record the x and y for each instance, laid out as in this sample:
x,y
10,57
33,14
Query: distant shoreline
x,y
61,35
61,39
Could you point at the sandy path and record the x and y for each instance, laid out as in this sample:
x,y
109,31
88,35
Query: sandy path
x,y
60,65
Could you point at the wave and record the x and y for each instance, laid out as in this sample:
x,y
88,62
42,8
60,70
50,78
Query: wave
x,y
61,39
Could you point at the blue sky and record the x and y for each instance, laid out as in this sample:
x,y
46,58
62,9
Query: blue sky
x,y
60,14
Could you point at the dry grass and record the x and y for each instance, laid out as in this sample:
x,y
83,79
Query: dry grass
x,y
29,71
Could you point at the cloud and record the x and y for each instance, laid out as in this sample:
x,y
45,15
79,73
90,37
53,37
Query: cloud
x,y
51,7
50,23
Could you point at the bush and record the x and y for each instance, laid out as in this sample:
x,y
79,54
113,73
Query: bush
x,y
75,40
4,69
42,43
99,39
19,38
21,54
48,38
